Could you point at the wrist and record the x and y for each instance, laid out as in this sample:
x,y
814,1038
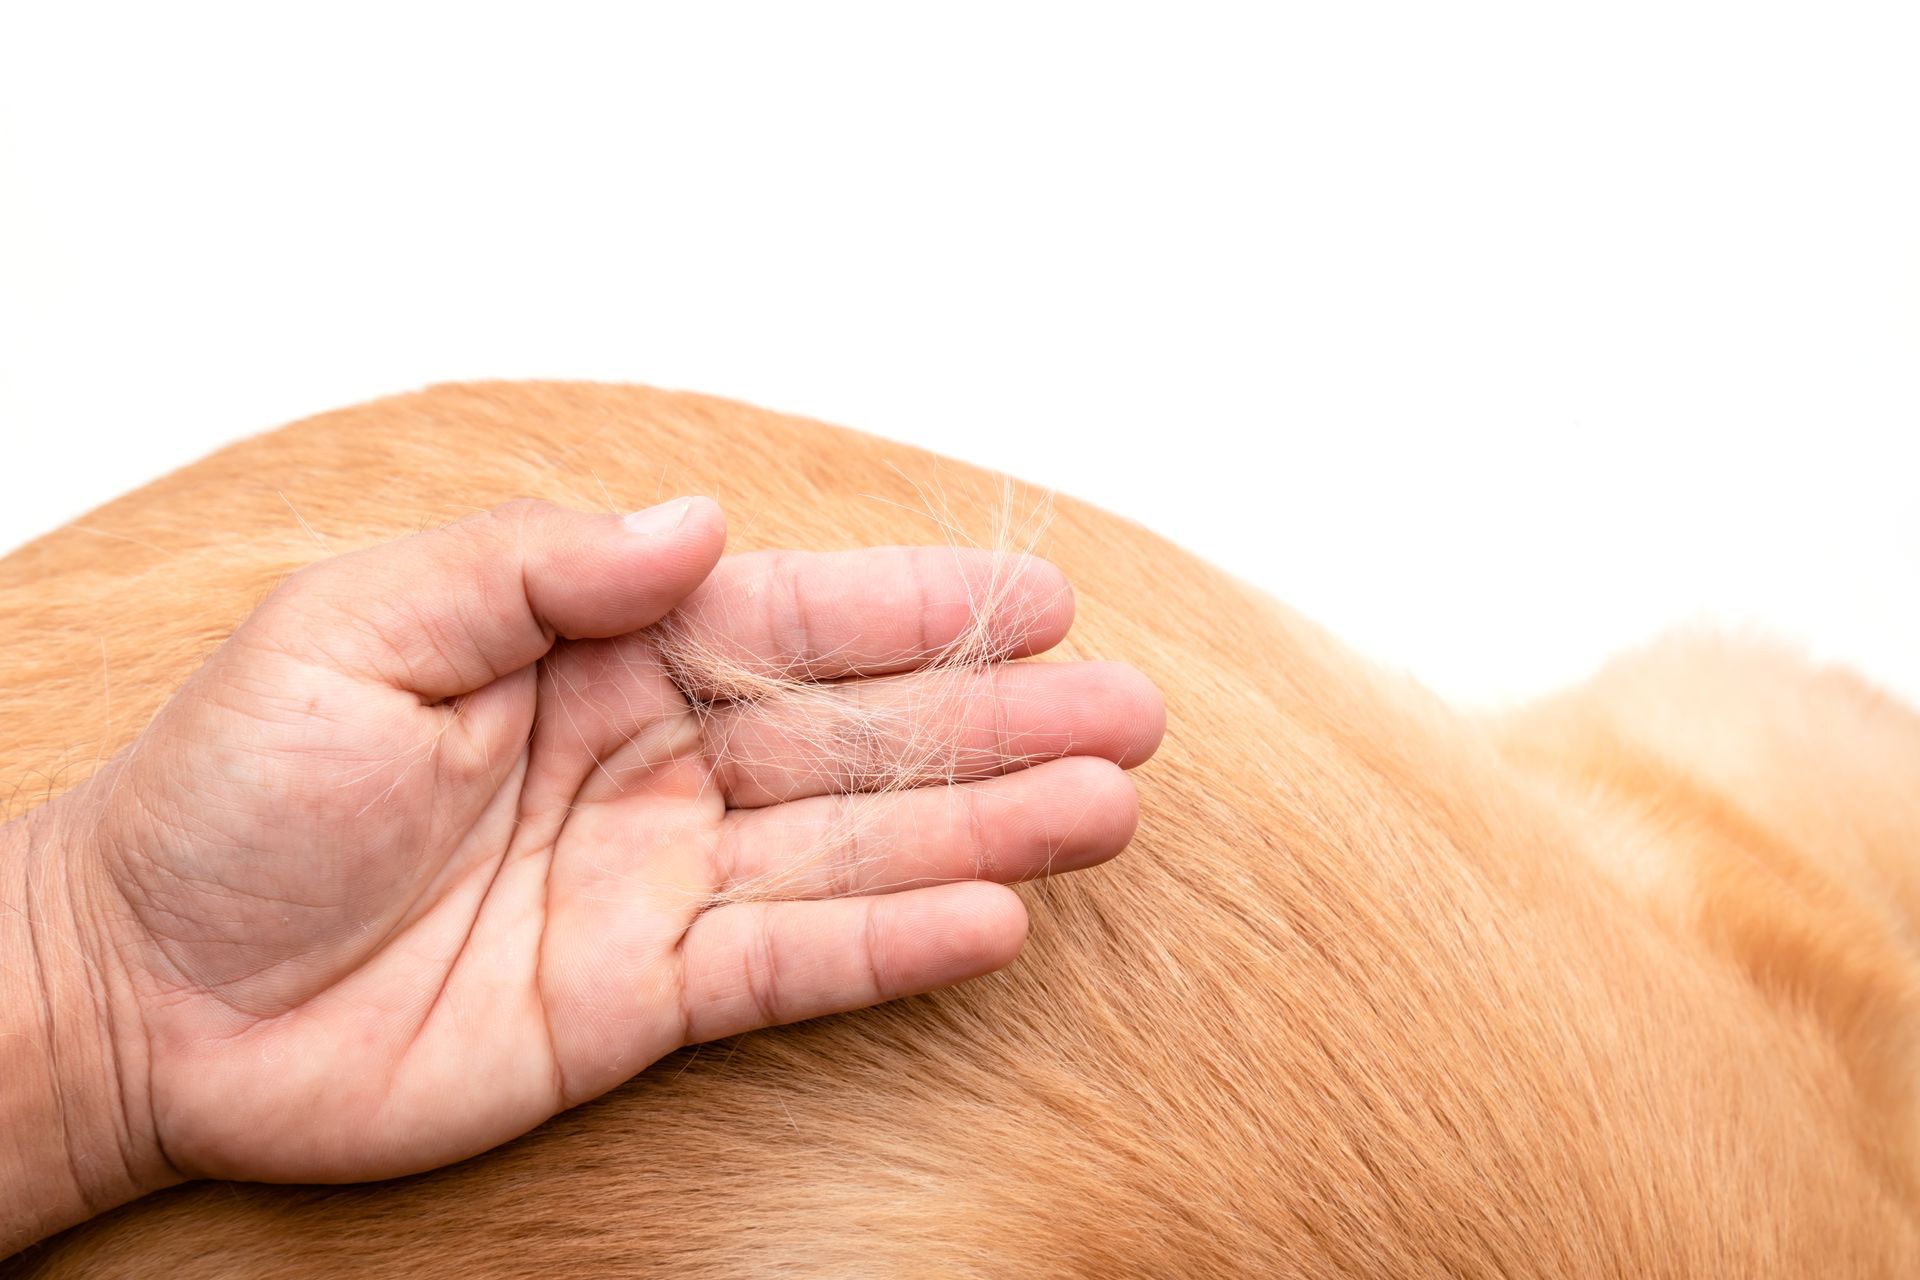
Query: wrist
x,y
73,1057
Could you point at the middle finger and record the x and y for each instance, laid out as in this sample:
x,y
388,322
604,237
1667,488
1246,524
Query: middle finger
x,y
933,726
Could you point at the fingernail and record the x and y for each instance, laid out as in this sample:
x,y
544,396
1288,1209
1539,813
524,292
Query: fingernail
x,y
664,518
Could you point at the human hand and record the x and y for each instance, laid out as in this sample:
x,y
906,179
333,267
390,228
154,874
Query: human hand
x,y
435,846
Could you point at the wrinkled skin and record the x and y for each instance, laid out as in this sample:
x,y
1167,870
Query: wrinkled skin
x,y
431,848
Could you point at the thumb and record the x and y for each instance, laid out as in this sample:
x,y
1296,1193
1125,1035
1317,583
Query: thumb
x,y
447,612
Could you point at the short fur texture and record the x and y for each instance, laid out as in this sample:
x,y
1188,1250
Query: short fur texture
x,y
1625,984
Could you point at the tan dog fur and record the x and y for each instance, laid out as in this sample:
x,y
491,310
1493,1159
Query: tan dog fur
x,y
1624,985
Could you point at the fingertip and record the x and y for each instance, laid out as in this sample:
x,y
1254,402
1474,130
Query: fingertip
x,y
664,553
1139,713
1046,605
999,923
692,525
1115,803
706,535
705,518
1085,813
971,928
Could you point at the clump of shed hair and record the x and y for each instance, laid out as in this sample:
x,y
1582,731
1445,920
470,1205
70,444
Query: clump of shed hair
x,y
862,746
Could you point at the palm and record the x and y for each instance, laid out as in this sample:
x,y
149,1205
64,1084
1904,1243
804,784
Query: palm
x,y
440,920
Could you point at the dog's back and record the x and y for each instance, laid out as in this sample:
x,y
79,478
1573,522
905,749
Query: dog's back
x,y
1622,985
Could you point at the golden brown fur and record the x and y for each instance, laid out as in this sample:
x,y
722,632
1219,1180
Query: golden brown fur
x,y
1624,984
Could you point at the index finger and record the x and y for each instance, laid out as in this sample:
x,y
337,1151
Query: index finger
x,y
783,615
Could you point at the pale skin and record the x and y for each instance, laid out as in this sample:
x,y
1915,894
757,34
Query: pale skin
x,y
434,847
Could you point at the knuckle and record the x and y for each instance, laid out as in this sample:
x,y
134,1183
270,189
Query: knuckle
x,y
308,577
979,848
301,590
518,512
763,970
872,947
846,869
785,611
511,522
997,690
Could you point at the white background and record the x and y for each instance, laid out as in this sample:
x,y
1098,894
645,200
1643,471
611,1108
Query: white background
x,y
1494,337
